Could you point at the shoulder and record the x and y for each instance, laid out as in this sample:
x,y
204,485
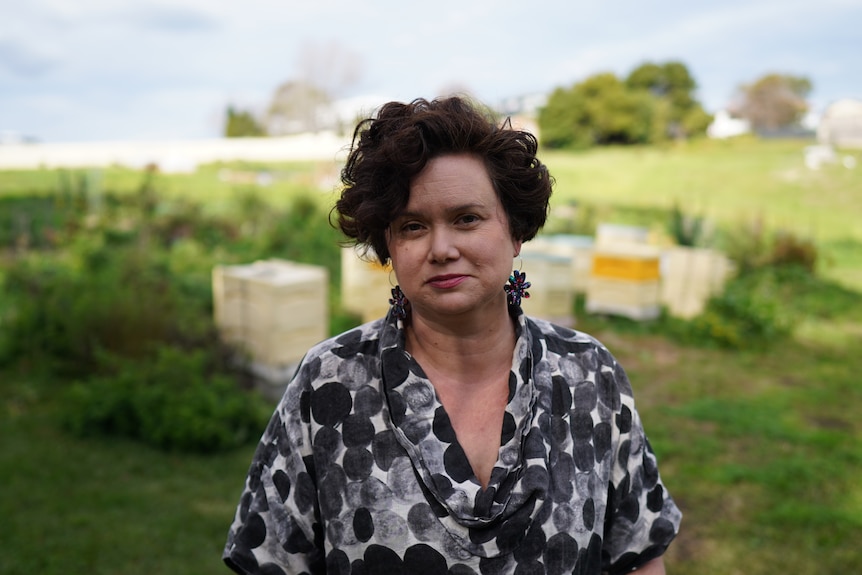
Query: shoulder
x,y
325,360
563,339
362,339
578,358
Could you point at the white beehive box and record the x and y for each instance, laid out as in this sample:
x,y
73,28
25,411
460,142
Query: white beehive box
x,y
625,281
551,292
579,250
615,236
274,310
690,276
366,286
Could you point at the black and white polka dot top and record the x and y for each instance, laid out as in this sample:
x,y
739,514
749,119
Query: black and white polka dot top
x,y
360,471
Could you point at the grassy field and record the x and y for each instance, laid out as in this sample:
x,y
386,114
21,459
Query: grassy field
x,y
761,449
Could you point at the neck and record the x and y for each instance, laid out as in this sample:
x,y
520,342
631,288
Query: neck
x,y
464,350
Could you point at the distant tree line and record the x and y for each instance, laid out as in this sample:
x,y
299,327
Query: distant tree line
x,y
656,102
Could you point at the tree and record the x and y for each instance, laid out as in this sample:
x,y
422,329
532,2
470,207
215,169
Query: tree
x,y
656,101
305,103
599,110
673,84
241,124
297,107
774,101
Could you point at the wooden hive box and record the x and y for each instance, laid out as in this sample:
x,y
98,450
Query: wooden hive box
x,y
690,276
615,236
365,284
625,281
274,310
551,293
579,250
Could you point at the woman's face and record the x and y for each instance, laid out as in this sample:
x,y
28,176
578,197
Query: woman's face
x,y
451,247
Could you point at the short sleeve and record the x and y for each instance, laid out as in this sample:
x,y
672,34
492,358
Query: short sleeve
x,y
642,518
276,528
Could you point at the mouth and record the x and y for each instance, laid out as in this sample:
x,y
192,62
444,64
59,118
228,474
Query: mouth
x,y
446,281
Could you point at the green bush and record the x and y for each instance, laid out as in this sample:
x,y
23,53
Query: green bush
x,y
750,313
178,400
750,247
120,299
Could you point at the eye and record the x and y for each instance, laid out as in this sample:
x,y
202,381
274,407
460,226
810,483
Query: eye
x,y
468,219
409,227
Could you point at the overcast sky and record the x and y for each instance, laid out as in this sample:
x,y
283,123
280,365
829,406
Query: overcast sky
x,y
133,69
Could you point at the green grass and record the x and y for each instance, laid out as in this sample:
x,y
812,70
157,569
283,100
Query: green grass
x,y
761,449
104,506
214,185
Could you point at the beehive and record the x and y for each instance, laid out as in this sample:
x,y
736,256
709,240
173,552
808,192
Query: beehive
x,y
551,292
365,284
625,281
273,310
579,250
617,235
690,276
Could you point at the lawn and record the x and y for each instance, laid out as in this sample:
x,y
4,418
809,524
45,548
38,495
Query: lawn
x,y
761,449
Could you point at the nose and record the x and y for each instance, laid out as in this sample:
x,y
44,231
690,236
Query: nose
x,y
443,247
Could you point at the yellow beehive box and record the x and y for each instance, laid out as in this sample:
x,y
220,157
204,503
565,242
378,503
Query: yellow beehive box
x,y
551,292
366,286
625,281
690,276
274,310
579,250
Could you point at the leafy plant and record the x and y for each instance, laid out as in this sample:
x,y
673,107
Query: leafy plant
x,y
178,400
789,249
685,229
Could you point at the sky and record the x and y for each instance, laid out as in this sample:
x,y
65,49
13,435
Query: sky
x,y
97,70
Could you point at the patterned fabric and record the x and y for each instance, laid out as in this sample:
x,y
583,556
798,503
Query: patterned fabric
x,y
359,470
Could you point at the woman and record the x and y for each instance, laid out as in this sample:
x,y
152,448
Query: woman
x,y
456,435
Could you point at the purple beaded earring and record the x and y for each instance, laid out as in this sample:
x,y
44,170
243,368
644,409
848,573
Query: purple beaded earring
x,y
517,287
399,303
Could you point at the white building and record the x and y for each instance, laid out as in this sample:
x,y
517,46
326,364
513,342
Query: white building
x,y
726,126
841,124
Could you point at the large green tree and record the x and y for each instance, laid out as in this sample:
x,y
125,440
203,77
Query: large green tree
x,y
672,84
599,110
655,102
773,101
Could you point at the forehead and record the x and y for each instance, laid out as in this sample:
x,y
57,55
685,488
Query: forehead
x,y
457,176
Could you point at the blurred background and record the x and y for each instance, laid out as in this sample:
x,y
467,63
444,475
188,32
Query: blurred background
x,y
166,176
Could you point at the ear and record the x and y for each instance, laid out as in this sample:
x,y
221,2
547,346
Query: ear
x,y
516,244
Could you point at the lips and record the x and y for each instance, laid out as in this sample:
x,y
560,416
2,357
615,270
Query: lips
x,y
447,281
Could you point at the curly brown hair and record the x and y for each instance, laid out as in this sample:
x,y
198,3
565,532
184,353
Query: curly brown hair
x,y
389,150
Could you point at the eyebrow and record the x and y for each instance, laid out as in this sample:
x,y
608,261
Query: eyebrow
x,y
454,209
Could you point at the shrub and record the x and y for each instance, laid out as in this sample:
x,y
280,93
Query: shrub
x,y
119,299
788,249
179,400
748,314
751,247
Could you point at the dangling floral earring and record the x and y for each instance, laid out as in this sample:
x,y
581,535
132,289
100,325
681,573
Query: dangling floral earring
x,y
517,287
399,303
